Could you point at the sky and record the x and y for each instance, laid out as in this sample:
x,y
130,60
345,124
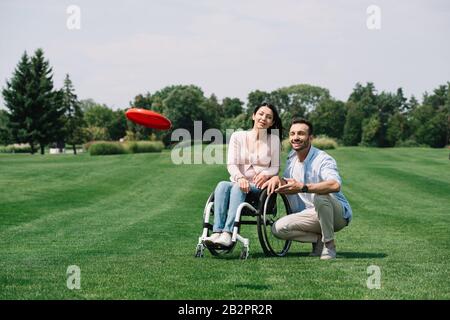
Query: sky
x,y
230,47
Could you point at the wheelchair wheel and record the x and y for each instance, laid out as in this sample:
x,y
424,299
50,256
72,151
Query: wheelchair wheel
x,y
272,208
217,250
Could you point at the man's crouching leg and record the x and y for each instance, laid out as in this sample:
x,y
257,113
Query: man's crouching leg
x,y
303,226
330,213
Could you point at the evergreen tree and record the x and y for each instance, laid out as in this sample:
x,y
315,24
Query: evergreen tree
x,y
5,132
74,122
22,116
45,102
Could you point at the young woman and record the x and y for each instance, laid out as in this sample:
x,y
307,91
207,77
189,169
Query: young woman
x,y
253,158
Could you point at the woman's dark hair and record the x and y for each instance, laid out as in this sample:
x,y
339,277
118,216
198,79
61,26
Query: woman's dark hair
x,y
276,118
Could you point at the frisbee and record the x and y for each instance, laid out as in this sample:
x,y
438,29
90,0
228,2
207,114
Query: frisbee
x,y
149,119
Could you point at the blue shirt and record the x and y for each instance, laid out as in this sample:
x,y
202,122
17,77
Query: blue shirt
x,y
318,166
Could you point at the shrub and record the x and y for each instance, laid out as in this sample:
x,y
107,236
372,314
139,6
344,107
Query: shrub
x,y
145,146
324,143
15,149
105,148
88,145
410,143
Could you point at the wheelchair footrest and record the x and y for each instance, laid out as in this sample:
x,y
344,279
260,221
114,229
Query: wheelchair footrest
x,y
218,246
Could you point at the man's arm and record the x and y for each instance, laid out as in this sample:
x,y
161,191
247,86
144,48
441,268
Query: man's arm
x,y
325,187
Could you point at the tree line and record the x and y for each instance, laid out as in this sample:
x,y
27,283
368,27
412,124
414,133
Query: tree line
x,y
40,115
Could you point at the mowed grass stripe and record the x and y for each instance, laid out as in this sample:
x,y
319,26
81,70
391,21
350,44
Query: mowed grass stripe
x,y
94,182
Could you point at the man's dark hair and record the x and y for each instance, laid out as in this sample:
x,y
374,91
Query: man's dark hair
x,y
304,121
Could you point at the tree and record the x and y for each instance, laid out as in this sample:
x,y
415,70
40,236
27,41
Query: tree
x,y
256,98
183,106
366,98
210,113
300,99
5,131
387,104
117,128
430,121
102,122
231,107
396,130
328,118
242,121
353,124
74,121
45,102
430,126
17,99
370,131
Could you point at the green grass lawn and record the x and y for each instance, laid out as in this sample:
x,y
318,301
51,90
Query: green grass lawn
x,y
131,223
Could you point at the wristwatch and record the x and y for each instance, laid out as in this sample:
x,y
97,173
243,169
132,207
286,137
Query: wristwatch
x,y
304,189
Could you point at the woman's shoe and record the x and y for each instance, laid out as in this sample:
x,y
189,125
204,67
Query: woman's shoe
x,y
224,240
209,241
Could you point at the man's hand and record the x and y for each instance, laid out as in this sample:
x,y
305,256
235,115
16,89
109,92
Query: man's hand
x,y
260,179
244,185
272,184
291,187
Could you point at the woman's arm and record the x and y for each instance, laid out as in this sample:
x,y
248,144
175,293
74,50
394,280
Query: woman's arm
x,y
234,158
275,153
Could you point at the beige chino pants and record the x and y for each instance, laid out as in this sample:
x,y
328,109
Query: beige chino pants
x,y
308,225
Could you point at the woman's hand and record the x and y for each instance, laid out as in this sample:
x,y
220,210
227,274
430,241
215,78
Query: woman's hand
x,y
244,185
260,179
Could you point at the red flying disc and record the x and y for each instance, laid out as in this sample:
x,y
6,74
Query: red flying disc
x,y
149,119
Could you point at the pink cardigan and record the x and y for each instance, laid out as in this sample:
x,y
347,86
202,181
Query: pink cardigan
x,y
241,163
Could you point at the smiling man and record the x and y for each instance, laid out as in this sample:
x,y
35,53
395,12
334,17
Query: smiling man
x,y
313,185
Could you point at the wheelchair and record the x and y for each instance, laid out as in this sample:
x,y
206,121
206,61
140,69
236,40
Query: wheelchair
x,y
257,209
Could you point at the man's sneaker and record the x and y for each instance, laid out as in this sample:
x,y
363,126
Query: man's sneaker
x,y
209,241
224,240
328,253
317,249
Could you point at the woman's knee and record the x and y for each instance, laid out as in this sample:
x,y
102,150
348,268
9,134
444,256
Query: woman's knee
x,y
236,189
223,186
